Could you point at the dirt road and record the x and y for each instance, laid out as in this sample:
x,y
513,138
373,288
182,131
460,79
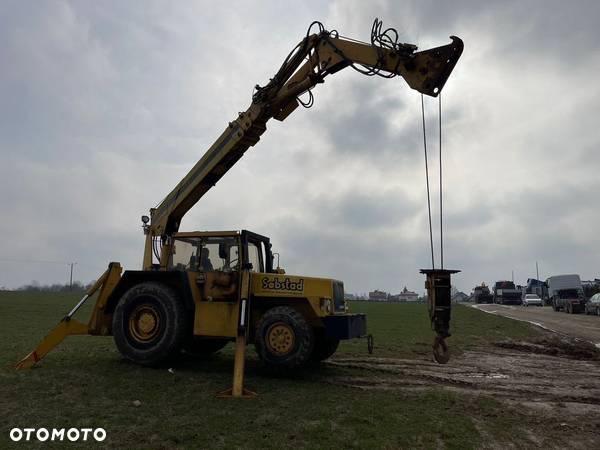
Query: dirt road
x,y
577,326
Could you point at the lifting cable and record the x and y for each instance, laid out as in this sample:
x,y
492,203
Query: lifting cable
x,y
441,187
427,182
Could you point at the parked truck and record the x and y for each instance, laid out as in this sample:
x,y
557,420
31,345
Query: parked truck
x,y
538,287
566,293
482,294
505,293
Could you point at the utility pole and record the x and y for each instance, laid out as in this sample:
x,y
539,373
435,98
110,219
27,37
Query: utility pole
x,y
513,276
71,278
539,285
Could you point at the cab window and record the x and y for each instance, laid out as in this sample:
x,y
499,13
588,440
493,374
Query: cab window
x,y
254,257
184,254
205,254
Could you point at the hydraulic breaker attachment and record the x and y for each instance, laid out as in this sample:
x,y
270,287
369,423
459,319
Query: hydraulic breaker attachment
x,y
439,301
99,323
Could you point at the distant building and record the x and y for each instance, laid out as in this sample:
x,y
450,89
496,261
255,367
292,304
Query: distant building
x,y
408,296
348,296
378,296
460,297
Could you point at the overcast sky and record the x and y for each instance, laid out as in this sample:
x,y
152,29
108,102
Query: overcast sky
x,y
105,106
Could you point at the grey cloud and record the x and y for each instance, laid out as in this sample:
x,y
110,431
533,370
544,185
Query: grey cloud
x,y
361,259
106,106
367,210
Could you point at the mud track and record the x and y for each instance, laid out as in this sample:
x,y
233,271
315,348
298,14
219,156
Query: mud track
x,y
542,374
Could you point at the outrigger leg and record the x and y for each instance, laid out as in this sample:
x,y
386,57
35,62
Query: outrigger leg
x,y
98,324
238,390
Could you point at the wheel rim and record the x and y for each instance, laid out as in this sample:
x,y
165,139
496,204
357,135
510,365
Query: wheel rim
x,y
280,338
144,323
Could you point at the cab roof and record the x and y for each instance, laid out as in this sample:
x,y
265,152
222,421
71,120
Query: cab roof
x,y
207,233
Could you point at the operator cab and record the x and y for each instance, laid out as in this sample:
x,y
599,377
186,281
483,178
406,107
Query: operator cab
x,y
219,251
213,262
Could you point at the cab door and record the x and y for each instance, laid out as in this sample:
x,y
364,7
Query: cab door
x,y
214,277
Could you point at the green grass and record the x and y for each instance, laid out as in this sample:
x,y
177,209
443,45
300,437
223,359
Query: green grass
x,y
403,330
84,383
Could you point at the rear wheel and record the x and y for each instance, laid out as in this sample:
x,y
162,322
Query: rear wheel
x,y
149,324
325,346
284,340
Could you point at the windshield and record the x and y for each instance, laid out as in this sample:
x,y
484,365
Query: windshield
x,y
204,254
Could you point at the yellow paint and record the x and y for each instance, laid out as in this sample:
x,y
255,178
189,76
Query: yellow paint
x,y
308,290
55,337
213,318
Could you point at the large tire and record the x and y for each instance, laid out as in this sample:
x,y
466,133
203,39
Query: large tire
x,y
554,307
150,324
284,340
325,346
198,346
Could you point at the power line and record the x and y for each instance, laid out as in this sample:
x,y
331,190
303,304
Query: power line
x,y
18,260
41,261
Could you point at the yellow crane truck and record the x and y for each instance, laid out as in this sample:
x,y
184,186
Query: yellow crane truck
x,y
199,290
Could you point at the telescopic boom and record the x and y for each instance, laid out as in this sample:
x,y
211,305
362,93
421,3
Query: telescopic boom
x,y
312,60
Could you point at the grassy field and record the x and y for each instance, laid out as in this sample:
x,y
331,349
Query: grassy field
x,y
84,383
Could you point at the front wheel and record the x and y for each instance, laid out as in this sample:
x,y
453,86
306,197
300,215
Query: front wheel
x,y
284,340
149,324
325,346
